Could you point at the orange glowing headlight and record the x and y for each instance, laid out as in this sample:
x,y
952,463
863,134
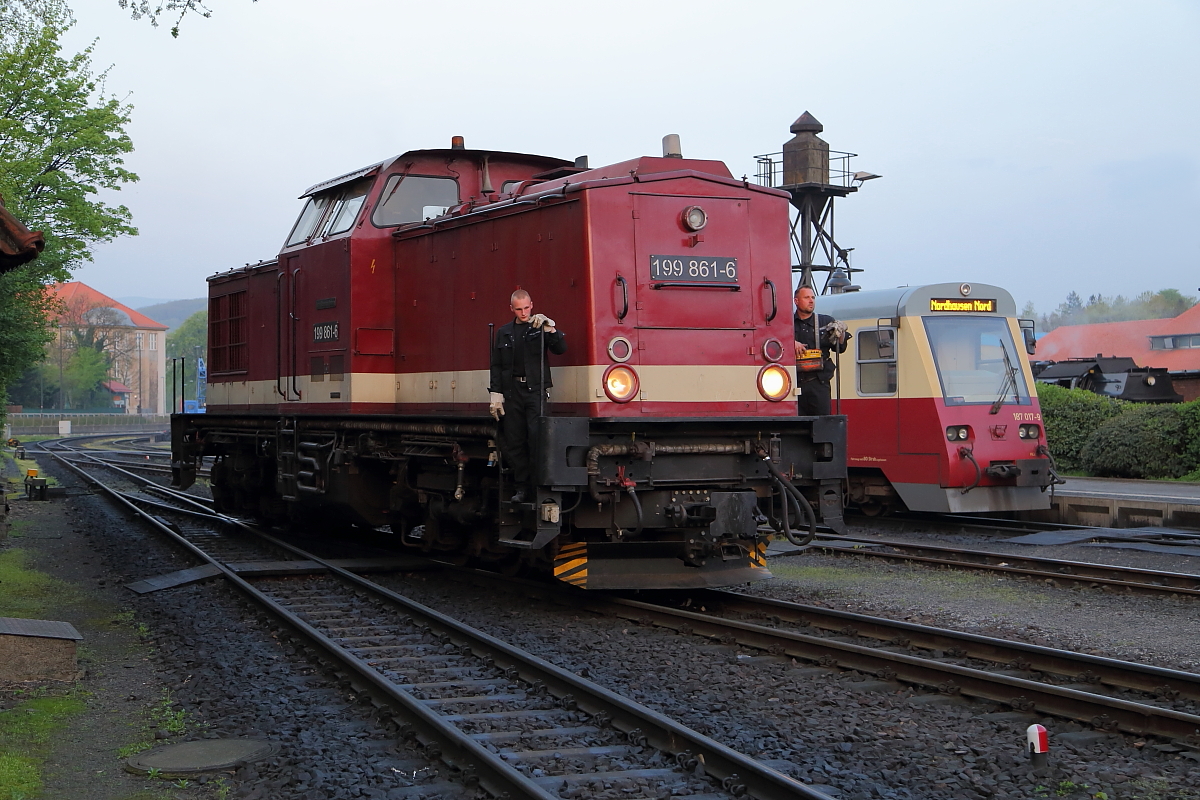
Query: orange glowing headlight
x,y
774,382
620,383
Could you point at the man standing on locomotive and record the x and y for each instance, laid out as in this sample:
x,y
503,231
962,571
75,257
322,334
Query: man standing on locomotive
x,y
816,335
520,383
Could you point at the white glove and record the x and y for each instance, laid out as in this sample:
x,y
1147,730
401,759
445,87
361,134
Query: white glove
x,y
496,405
542,321
836,330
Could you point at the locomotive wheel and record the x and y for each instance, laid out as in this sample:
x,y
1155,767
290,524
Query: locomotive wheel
x,y
875,509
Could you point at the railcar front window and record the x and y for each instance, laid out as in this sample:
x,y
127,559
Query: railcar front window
x,y
405,198
976,360
310,215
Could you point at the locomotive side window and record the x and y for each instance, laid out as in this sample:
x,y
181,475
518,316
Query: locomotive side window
x,y
876,360
405,198
310,215
346,207
977,360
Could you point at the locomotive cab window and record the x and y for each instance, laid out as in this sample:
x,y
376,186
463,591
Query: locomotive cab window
x,y
310,215
977,360
346,207
876,360
405,198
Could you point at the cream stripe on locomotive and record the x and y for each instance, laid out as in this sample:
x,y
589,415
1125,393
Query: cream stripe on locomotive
x,y
670,383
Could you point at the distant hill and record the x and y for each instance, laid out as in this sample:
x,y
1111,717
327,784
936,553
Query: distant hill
x,y
173,313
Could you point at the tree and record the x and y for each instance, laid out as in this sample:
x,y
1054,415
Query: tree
x,y
62,140
1147,305
186,341
153,10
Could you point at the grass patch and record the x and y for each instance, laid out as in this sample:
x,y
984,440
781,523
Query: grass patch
x,y
26,731
28,593
161,716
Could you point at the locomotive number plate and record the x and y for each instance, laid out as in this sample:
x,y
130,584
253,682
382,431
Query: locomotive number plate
x,y
325,332
685,268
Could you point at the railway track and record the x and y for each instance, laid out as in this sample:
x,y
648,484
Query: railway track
x,y
1056,571
502,719
1107,694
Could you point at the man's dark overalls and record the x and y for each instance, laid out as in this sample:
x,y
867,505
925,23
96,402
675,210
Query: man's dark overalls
x,y
524,382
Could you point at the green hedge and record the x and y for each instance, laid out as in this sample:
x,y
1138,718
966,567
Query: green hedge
x,y
1147,441
1114,438
1070,417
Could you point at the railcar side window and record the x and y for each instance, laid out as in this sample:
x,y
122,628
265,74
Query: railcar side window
x,y
876,360
977,360
310,215
405,198
346,207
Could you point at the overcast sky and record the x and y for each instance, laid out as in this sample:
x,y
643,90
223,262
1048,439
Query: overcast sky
x,y
1043,146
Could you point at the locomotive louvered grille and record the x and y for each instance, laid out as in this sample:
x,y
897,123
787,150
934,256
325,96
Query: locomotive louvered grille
x,y
227,346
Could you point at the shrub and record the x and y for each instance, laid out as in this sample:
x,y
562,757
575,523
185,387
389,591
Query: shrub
x,y
1148,441
1070,417
1191,433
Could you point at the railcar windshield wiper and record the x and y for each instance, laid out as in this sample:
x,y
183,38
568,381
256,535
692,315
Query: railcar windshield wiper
x,y
1010,381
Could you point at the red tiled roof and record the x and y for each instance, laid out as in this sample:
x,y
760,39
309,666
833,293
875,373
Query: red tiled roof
x,y
116,387
1131,339
68,292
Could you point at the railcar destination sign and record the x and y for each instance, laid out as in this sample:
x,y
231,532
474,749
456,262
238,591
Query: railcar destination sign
x,y
955,304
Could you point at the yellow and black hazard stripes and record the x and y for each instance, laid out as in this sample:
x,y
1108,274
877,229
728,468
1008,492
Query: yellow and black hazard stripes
x,y
570,565
758,555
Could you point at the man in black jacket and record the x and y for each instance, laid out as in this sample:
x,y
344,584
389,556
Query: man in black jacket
x,y
813,372
520,383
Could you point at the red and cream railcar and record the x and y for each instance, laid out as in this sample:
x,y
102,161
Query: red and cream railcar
x,y
941,411
349,376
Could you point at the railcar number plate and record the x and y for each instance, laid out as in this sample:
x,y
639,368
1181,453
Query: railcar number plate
x,y
325,332
685,268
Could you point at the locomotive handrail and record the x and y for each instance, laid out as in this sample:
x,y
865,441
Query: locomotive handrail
x,y
624,298
295,286
774,300
279,336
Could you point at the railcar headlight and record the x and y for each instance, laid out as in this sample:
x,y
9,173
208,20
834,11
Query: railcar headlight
x,y
1029,432
957,433
694,218
774,383
620,383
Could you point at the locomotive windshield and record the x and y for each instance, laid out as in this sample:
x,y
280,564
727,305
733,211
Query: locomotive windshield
x,y
412,198
976,360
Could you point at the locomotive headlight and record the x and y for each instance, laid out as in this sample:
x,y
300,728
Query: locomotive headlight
x,y
1149,380
620,383
694,218
774,383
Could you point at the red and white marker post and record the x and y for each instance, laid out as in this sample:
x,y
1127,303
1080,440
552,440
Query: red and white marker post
x,y
1038,745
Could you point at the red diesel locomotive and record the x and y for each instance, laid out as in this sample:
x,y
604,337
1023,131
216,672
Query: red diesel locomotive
x,y
348,378
940,403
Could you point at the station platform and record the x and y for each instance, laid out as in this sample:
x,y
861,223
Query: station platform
x,y
1119,503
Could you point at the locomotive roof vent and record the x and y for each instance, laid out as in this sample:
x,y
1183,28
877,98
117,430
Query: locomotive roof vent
x,y
671,148
457,143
